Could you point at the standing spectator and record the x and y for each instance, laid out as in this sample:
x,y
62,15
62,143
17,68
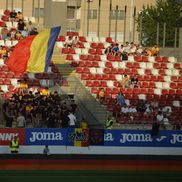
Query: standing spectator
x,y
101,94
72,120
21,122
120,99
115,49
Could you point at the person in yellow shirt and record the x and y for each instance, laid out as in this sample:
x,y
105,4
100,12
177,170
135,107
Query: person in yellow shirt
x,y
19,15
3,52
155,50
45,91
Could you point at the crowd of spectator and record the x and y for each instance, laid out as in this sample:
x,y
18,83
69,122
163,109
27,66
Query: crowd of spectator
x,y
39,109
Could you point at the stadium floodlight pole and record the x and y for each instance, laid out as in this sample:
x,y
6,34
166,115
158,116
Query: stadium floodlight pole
x,y
98,27
88,18
164,35
134,15
110,9
124,39
116,23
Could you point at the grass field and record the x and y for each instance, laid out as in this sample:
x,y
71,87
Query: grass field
x,y
89,176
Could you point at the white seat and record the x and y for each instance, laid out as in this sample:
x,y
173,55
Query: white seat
x,y
31,75
100,71
93,70
8,43
15,24
115,64
155,72
118,77
95,39
59,44
175,72
110,84
76,57
151,59
158,85
142,97
9,24
168,72
14,42
1,62
4,88
165,85
102,39
84,51
89,39
167,78
170,65
122,65
141,71
143,65
157,91
101,64
176,103
87,45
103,57
106,44
131,58
149,65
32,19
172,59
2,43
25,18
78,51
14,82
49,69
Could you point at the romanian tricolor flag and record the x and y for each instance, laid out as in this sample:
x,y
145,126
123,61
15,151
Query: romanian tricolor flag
x,y
33,54
78,137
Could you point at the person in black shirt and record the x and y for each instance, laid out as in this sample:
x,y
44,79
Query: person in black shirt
x,y
134,82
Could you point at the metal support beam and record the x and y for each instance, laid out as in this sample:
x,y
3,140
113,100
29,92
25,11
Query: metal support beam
x,y
116,23
98,26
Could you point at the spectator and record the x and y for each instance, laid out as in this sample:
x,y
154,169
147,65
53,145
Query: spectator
x,y
160,117
13,15
115,49
19,16
101,94
134,82
155,50
133,48
46,150
120,99
124,82
75,42
69,42
21,122
124,111
33,31
72,120
29,27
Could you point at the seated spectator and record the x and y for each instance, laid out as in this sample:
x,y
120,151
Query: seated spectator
x,y
124,82
13,15
124,56
115,49
120,99
4,33
2,52
132,111
19,16
124,110
101,94
33,31
21,25
134,82
167,111
127,47
148,112
155,50
45,91
108,50
29,27
139,50
121,50
133,48
69,42
75,42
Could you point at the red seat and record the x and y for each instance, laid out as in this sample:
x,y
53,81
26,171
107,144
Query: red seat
x,y
151,85
105,77
86,70
173,85
140,78
103,84
165,59
83,57
109,40
61,38
91,77
129,65
91,51
111,58
112,77
97,58
69,57
163,65
143,91
148,72
108,64
1,82
93,45
2,24
107,70
96,83
153,78
65,51
81,64
89,83
136,91
151,91
69,34
160,78
171,92
179,92
71,51
127,71
165,91
79,70
145,85
136,65
147,77
157,66
82,39
10,75
144,58
137,58
98,76
98,51
117,58
95,64
120,71
162,72
5,18
101,46
75,34
177,66
174,78
158,59
81,45
180,85
114,70
88,64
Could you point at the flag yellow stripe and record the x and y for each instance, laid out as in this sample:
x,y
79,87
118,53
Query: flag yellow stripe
x,y
78,143
38,49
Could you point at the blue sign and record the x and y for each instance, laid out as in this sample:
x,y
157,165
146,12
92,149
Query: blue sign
x,y
142,138
46,136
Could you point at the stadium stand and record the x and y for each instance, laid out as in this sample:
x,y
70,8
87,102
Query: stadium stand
x,y
158,77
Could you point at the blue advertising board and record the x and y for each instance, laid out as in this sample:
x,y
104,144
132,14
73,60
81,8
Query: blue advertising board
x,y
46,136
142,138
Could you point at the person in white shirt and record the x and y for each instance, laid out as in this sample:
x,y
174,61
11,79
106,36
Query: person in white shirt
x,y
160,117
72,120
124,111
21,122
132,112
